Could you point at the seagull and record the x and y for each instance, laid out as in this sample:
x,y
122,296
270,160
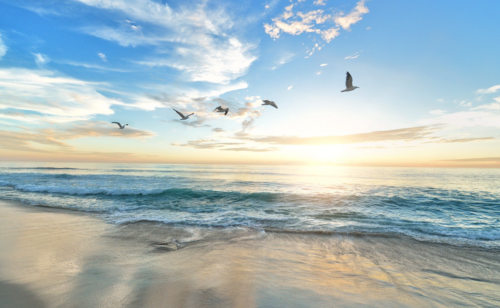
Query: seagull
x,y
270,103
220,109
183,116
348,83
121,126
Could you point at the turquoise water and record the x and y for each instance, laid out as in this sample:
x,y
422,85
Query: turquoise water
x,y
454,206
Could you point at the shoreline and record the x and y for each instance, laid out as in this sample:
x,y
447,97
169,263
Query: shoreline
x,y
73,259
354,234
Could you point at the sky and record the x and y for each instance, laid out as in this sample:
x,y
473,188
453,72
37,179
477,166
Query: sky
x,y
427,71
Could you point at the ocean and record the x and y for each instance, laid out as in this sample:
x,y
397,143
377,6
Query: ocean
x,y
451,206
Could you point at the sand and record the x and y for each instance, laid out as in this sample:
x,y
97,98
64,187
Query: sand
x,y
60,258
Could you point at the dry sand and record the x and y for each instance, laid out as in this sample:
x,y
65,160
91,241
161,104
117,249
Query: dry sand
x,y
58,258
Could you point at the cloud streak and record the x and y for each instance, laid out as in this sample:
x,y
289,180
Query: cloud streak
x,y
404,134
480,159
30,141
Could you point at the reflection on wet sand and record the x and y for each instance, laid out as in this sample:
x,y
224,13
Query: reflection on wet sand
x,y
64,259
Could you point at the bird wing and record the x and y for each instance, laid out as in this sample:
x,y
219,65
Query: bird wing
x,y
189,115
266,101
274,105
348,81
117,123
182,116
218,108
227,110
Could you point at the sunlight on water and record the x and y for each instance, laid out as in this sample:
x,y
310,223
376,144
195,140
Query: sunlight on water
x,y
456,206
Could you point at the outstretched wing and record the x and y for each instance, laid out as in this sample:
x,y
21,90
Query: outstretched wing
x,y
218,108
274,105
189,115
266,101
227,110
182,116
117,123
348,81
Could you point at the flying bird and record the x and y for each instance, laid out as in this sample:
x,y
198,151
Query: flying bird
x,y
220,109
348,83
121,126
270,103
183,116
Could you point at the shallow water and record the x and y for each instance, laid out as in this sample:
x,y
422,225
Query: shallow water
x,y
454,206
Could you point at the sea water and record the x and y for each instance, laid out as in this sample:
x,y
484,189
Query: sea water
x,y
441,205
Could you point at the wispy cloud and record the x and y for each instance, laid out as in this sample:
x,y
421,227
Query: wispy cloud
x,y
3,47
102,56
289,88
471,118
40,59
223,146
461,140
437,112
221,64
55,97
198,37
404,134
38,140
479,159
353,56
248,149
93,66
324,64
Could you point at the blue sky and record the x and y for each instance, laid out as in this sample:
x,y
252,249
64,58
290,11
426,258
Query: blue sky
x,y
428,75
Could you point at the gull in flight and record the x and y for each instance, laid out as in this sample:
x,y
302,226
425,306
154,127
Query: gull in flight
x,y
348,83
270,103
220,109
121,126
183,116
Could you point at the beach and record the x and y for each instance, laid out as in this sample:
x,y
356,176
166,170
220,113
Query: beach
x,y
60,258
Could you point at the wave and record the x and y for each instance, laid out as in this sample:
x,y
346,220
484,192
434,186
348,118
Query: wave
x,y
81,191
42,168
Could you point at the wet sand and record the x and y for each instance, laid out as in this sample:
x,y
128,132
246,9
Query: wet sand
x,y
59,258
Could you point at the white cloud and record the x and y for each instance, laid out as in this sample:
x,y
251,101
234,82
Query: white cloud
x,y
320,2
353,17
353,56
220,65
489,90
289,88
199,37
440,100
316,21
3,48
40,59
318,73
51,97
493,106
324,64
437,112
102,56
368,28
